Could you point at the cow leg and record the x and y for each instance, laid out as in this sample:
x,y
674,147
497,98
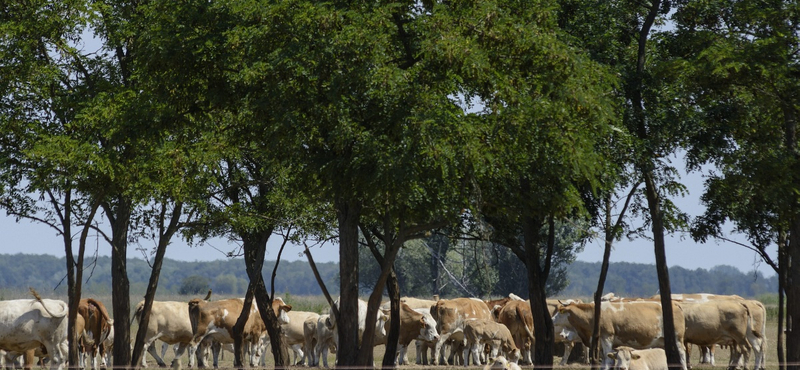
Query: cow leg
x,y
682,353
439,358
180,349
567,351
688,348
216,348
151,349
192,353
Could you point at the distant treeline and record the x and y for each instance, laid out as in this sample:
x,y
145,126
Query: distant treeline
x,y
45,273
640,280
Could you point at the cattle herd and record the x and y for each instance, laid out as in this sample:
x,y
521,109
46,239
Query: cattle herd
x,y
462,331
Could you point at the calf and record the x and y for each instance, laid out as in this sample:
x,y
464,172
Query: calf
x,y
500,363
478,333
325,341
627,358
293,335
451,315
97,326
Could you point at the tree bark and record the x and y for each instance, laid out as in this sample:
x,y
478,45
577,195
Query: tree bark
x,y
601,282
164,239
119,218
394,328
793,297
781,292
542,322
348,213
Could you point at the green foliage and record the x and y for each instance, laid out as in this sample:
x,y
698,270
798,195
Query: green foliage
x,y
194,285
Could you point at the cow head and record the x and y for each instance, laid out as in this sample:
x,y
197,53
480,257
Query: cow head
x,y
622,357
428,331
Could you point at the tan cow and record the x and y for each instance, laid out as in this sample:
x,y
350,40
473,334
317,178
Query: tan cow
x,y
517,317
756,329
97,326
451,316
715,322
627,358
478,333
169,322
293,335
417,304
636,324
215,320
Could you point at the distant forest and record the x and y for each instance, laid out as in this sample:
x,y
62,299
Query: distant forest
x,y
45,273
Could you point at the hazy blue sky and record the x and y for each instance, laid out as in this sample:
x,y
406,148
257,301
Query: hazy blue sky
x,y
25,237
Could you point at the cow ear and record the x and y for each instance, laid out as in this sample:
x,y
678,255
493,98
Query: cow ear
x,y
612,356
422,320
635,356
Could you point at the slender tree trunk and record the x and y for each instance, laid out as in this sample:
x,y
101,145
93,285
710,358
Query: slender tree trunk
x,y
119,218
73,283
238,328
781,292
164,239
601,282
348,213
793,297
394,328
792,287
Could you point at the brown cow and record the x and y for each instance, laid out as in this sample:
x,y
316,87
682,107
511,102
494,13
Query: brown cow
x,y
517,316
413,325
636,324
478,333
451,315
97,326
215,320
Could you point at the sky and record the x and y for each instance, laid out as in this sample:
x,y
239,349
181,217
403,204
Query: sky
x,y
681,250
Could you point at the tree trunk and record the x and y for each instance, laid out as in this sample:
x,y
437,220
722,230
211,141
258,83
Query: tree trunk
x,y
152,285
781,293
657,220
238,328
394,328
601,282
119,218
793,296
348,213
542,322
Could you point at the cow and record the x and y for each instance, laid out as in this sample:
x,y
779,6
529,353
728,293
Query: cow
x,y
500,363
570,338
715,322
215,320
293,335
756,329
481,332
380,329
325,342
97,326
637,324
413,325
627,358
517,317
169,322
418,305
451,315
26,324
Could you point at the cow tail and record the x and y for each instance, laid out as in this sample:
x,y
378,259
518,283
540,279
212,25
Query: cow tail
x,y
194,313
39,298
137,315
520,314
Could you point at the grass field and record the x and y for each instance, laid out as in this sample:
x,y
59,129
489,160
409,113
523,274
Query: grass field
x,y
319,305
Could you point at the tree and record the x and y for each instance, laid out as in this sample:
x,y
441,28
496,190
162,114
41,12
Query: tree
x,y
740,61
194,284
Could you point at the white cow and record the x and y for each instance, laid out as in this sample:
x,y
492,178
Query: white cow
x,y
28,323
380,329
293,335
325,341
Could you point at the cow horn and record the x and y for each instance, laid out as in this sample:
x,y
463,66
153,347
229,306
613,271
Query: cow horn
x,y
208,296
562,303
